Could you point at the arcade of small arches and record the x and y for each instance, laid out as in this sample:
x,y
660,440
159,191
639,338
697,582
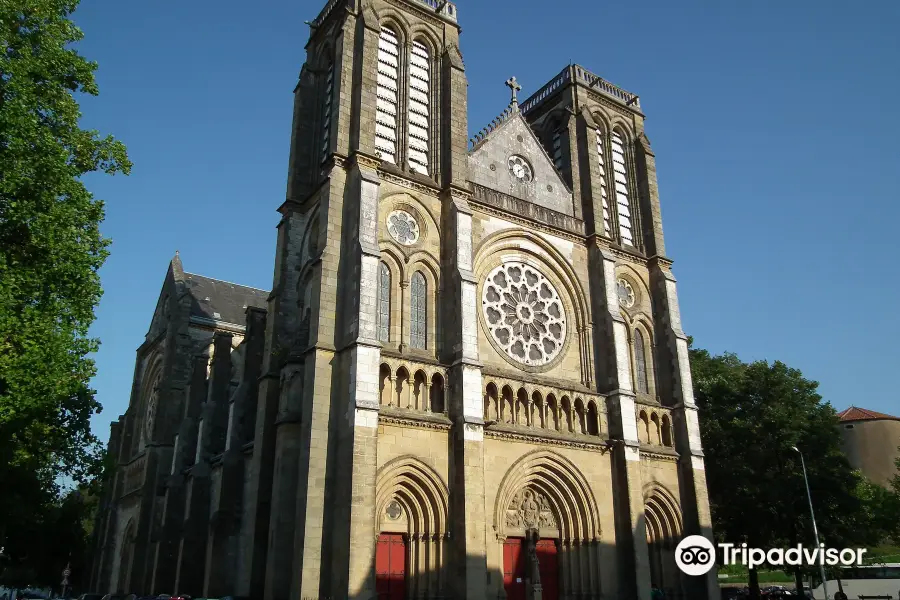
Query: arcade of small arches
x,y
655,427
413,387
547,409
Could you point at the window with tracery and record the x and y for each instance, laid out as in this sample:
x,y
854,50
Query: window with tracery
x,y
384,303
640,363
418,311
620,176
419,84
386,100
524,313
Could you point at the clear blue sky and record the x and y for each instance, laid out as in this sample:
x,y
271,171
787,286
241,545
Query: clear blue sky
x,y
775,125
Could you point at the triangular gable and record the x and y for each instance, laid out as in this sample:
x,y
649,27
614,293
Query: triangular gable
x,y
489,166
173,281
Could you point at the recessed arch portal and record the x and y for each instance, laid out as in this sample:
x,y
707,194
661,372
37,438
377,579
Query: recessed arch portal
x,y
664,530
545,495
412,493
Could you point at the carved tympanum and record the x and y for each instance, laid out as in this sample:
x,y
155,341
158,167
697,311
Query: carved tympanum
x,y
530,509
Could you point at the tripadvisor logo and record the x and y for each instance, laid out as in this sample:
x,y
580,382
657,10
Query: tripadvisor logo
x,y
696,555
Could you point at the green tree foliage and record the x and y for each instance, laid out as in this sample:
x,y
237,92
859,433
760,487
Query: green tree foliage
x,y
56,534
50,251
895,483
753,414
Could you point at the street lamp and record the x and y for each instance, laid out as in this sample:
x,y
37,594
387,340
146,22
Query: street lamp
x,y
813,515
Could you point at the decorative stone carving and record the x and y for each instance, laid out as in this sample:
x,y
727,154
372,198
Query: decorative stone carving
x,y
403,227
524,313
530,509
393,510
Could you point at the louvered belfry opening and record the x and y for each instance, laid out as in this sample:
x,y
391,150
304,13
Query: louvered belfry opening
x,y
557,149
620,173
419,89
387,97
326,113
604,195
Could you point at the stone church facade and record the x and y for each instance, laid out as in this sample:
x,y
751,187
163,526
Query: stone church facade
x,y
470,378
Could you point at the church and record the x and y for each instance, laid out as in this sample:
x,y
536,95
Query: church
x,y
469,379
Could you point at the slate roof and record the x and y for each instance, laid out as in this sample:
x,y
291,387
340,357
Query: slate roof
x,y
861,414
222,300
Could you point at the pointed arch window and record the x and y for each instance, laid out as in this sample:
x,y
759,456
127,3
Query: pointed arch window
x,y
384,302
418,321
640,363
604,194
620,176
419,118
386,100
326,112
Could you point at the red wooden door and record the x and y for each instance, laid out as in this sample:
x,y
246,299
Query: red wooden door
x,y
390,567
514,568
548,565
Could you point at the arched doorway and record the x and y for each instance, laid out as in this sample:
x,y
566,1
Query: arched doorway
x,y
411,503
663,524
547,523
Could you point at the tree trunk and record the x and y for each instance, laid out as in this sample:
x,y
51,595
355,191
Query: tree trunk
x,y
754,584
798,578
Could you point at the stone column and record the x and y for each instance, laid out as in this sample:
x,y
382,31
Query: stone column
x,y
222,554
106,523
686,425
468,519
282,329
353,545
184,452
192,560
628,500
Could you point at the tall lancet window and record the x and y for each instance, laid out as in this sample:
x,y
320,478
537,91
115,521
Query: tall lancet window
x,y
604,193
384,303
386,100
557,149
620,173
417,311
419,83
640,363
326,112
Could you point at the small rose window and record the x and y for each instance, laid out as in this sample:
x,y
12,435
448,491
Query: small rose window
x,y
403,227
520,169
625,293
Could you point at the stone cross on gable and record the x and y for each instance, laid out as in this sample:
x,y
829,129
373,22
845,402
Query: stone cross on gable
x,y
514,87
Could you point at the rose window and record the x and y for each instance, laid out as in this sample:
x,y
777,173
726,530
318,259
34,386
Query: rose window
x,y
150,415
403,227
524,314
520,169
625,293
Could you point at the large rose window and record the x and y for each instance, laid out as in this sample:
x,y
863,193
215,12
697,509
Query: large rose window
x,y
524,314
